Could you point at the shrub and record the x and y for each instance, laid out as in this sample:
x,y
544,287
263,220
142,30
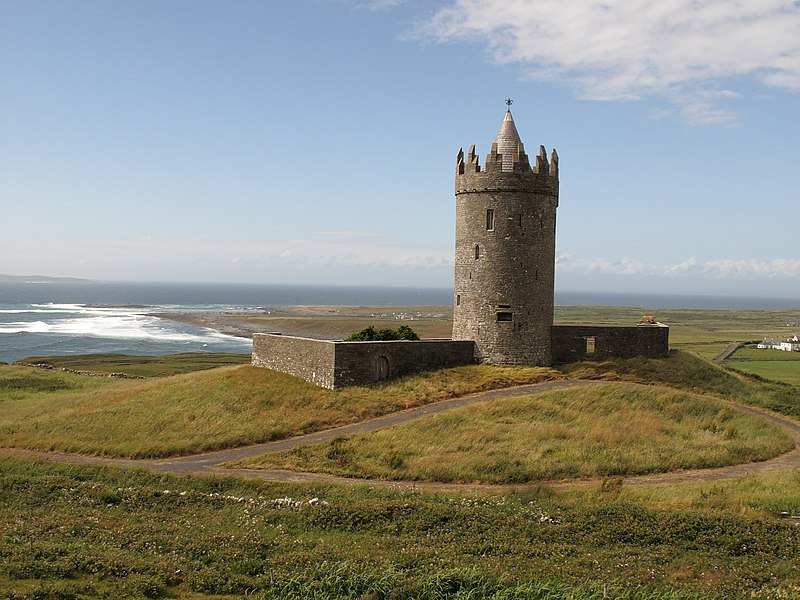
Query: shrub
x,y
370,334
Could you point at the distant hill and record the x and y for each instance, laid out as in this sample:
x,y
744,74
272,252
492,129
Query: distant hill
x,y
39,279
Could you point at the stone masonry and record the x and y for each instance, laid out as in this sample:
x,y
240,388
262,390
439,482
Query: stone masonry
x,y
505,251
333,365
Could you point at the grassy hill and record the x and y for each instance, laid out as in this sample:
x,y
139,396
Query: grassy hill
x,y
608,430
210,409
138,366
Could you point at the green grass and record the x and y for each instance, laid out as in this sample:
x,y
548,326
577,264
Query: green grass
x,y
25,383
606,430
139,366
766,494
684,371
211,409
769,364
81,531
707,350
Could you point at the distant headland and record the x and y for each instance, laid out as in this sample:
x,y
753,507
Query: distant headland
x,y
39,279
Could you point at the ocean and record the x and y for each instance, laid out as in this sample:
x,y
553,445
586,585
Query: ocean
x,y
60,318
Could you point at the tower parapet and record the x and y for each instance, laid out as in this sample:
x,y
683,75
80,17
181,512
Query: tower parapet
x,y
505,250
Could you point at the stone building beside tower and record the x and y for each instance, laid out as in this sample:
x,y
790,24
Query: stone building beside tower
x,y
504,287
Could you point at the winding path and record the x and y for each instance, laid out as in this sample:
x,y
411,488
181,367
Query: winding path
x,y
210,463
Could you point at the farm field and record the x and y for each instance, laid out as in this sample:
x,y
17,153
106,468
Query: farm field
x,y
687,327
770,364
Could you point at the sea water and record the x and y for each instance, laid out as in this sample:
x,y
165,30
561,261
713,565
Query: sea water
x,y
60,318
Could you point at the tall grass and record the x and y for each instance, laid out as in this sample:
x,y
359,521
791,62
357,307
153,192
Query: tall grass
x,y
209,409
599,431
78,531
684,371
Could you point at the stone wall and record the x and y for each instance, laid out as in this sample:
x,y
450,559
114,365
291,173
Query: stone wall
x,y
306,358
338,364
571,342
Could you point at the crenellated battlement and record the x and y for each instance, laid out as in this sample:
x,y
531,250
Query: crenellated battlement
x,y
542,177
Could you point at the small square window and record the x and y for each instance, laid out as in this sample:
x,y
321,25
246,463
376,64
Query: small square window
x,y
505,316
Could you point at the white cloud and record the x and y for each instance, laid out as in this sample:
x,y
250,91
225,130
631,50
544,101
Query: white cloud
x,y
725,268
686,50
204,259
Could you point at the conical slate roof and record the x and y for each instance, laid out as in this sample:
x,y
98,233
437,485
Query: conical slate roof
x,y
507,141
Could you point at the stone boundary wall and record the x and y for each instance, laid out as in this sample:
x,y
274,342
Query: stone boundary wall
x,y
337,364
570,342
306,358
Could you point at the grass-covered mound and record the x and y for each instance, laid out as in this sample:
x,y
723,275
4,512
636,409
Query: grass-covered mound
x,y
684,371
592,431
89,532
139,366
210,409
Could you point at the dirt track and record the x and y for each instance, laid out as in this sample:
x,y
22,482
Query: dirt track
x,y
209,463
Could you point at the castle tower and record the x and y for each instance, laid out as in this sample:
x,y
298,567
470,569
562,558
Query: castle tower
x,y
505,251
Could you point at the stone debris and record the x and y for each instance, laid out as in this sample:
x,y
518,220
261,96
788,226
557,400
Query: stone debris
x,y
296,504
280,503
49,367
547,519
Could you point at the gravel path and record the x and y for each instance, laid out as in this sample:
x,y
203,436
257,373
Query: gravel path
x,y
209,463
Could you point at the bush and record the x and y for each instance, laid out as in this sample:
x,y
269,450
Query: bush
x,y
370,334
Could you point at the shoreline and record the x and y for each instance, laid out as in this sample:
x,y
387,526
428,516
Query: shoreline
x,y
322,322
218,321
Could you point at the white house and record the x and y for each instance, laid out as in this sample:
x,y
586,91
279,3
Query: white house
x,y
791,345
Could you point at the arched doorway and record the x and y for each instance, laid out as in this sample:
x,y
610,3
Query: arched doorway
x,y
382,367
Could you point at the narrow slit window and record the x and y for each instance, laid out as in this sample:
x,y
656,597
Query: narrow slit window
x,y
458,299
477,252
489,219
501,306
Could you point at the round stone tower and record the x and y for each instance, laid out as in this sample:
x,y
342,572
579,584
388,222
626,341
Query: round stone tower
x,y
505,251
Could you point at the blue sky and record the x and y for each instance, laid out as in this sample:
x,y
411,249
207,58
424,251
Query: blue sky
x,y
314,141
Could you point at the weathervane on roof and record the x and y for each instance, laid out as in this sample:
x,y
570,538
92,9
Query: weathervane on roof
x,y
509,102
